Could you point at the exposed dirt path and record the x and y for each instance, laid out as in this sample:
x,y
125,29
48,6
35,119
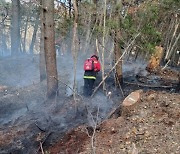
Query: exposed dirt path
x,y
153,127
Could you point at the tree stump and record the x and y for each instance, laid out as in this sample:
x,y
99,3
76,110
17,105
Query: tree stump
x,y
130,102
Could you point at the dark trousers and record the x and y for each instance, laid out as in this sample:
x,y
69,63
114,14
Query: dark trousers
x,y
88,86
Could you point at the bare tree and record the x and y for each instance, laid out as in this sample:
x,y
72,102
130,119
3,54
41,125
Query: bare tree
x,y
103,41
42,66
15,28
117,54
49,47
36,26
117,48
25,33
3,39
75,41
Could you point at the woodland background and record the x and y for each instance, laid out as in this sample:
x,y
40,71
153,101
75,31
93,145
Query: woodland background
x,y
43,44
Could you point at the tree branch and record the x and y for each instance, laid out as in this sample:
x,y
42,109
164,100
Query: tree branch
x,y
114,65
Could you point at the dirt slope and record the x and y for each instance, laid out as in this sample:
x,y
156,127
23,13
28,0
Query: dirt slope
x,y
63,126
152,127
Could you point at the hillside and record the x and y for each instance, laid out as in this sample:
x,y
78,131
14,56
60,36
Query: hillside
x,y
63,125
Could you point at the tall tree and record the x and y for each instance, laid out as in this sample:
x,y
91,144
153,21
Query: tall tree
x,y
117,55
70,5
36,26
103,41
15,28
117,38
4,14
49,48
75,42
42,63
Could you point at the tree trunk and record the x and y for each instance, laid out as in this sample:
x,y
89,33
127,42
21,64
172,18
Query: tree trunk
x,y
75,43
36,26
15,28
103,42
49,48
117,46
70,5
3,48
117,53
87,37
42,63
25,34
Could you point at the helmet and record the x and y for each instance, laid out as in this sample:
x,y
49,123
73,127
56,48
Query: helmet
x,y
95,57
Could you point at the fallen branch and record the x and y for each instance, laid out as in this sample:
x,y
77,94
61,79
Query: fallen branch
x,y
40,128
114,66
150,86
41,148
43,141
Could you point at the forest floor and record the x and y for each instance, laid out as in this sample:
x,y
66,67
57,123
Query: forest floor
x,y
87,125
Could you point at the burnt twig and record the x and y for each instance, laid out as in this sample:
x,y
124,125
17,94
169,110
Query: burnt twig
x,y
41,148
40,128
42,142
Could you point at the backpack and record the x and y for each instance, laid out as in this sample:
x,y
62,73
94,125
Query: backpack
x,y
89,64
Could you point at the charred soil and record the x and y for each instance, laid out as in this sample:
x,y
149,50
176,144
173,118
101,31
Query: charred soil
x,y
29,123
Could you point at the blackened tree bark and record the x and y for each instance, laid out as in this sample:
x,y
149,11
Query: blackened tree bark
x,y
70,5
15,28
49,48
42,63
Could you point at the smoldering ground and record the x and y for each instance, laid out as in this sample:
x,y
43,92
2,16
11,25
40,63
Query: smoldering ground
x,y
27,118
25,113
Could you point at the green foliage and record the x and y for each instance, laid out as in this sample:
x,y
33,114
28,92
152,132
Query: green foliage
x,y
149,47
145,21
98,31
168,4
148,19
152,13
128,24
152,33
118,7
112,24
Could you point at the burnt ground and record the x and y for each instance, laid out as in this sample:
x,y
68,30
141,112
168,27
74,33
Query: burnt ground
x,y
28,119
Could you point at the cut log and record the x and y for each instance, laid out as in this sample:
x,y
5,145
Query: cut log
x,y
130,102
127,105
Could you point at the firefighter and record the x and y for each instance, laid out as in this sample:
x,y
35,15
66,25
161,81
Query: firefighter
x,y
91,68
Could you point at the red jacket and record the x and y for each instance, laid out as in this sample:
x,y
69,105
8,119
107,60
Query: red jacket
x,y
97,65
